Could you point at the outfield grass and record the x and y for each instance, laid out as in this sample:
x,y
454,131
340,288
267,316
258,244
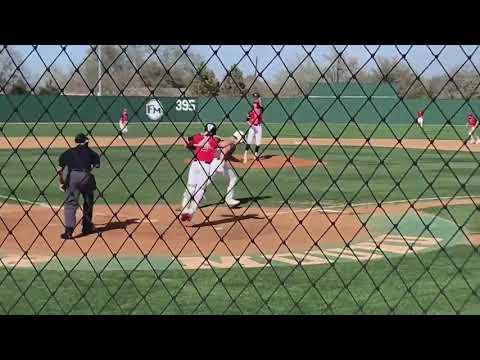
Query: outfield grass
x,y
402,286
289,129
159,173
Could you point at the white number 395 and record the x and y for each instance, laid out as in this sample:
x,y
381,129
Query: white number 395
x,y
185,105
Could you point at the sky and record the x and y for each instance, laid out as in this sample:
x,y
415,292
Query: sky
x,y
419,57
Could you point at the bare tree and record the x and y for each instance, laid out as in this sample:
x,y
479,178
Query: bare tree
x,y
52,82
13,74
254,83
341,67
233,83
297,79
304,73
128,69
171,66
398,73
465,83
205,83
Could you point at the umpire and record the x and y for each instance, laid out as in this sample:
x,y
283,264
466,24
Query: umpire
x,y
79,162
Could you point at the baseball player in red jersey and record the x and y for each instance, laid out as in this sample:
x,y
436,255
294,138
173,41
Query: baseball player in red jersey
x,y
204,146
123,122
420,118
472,124
221,165
255,120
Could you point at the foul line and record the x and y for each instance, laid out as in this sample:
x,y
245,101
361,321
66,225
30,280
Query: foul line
x,y
42,204
405,200
30,202
303,210
329,208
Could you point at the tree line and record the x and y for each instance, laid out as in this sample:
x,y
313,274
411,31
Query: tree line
x,y
170,70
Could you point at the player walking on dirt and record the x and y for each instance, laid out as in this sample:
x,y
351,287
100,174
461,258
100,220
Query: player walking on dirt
x,y
254,120
204,146
79,162
472,124
123,122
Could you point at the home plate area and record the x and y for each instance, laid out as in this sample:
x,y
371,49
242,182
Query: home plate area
x,y
218,237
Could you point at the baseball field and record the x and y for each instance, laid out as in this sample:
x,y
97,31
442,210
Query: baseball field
x,y
308,238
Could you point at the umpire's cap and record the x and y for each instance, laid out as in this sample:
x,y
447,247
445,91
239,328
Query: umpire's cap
x,y
81,138
211,128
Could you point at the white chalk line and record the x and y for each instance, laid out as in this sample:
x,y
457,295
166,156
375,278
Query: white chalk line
x,y
42,204
403,201
329,208
45,205
315,209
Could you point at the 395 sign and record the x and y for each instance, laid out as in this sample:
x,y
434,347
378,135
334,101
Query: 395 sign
x,y
186,105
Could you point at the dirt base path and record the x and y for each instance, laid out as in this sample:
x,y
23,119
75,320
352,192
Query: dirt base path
x,y
102,142
220,230
135,231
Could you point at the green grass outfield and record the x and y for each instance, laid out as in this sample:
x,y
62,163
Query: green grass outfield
x,y
393,285
289,129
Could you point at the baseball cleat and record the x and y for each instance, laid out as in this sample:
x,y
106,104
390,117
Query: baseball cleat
x,y
87,230
186,217
233,202
68,234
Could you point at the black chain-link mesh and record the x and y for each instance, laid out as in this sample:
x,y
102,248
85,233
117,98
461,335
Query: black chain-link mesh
x,y
361,198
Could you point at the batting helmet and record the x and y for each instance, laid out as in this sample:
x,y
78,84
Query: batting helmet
x,y
256,95
81,138
211,128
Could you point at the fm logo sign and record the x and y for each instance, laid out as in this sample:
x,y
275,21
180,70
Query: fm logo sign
x,y
154,110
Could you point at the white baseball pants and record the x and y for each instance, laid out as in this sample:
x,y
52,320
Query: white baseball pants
x,y
254,133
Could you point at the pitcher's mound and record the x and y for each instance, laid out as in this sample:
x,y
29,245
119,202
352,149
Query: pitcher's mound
x,y
272,162
276,162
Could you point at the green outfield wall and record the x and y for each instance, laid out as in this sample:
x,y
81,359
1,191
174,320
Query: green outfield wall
x,y
28,108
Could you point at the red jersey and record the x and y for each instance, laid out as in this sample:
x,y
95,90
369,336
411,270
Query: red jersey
x,y
420,114
472,120
208,151
124,118
255,116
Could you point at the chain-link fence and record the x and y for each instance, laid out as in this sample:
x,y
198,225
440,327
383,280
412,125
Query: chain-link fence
x,y
239,179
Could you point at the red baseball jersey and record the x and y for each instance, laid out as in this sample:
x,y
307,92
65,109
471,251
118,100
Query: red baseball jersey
x,y
472,120
420,114
255,118
124,118
208,151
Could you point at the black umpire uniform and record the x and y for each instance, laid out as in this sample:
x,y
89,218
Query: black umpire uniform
x,y
78,162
